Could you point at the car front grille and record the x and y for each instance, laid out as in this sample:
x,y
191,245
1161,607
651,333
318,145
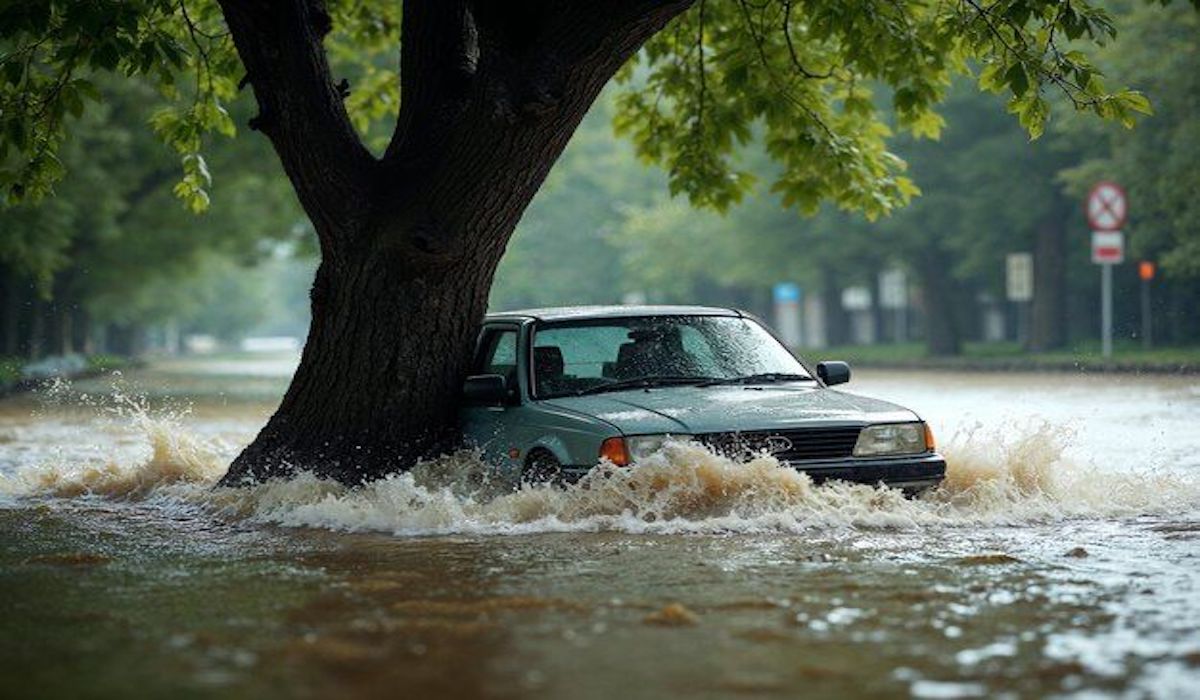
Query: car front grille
x,y
794,445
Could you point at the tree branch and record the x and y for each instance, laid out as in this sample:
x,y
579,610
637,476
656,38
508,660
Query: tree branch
x,y
439,56
491,90
281,45
512,54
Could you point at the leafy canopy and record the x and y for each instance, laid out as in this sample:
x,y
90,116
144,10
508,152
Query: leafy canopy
x,y
808,74
811,78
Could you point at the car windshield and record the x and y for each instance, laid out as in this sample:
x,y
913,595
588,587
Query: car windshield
x,y
609,354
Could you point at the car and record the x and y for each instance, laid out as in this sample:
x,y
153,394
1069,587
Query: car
x,y
555,392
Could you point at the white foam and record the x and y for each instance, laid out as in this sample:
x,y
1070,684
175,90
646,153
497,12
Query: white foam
x,y
1010,476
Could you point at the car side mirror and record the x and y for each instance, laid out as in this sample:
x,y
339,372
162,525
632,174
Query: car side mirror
x,y
833,372
487,389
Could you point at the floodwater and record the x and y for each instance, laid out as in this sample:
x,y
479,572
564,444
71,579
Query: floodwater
x,y
1061,557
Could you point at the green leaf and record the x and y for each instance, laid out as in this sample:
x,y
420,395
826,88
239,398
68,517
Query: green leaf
x,y
1136,101
1017,79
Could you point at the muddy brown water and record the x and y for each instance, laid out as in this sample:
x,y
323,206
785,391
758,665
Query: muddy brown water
x,y
1062,557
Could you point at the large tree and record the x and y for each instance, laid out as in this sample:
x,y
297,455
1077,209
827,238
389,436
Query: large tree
x,y
489,92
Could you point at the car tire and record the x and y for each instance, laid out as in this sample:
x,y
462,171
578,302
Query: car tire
x,y
541,467
913,494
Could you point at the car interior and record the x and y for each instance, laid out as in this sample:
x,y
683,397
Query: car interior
x,y
649,351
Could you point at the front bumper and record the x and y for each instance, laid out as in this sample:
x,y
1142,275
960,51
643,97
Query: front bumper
x,y
911,473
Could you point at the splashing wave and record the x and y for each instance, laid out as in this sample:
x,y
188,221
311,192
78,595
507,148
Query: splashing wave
x,y
684,488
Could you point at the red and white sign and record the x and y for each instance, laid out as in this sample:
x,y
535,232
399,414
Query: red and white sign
x,y
1108,247
1107,207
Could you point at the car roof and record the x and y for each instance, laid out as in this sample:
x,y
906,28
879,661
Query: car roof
x,y
581,313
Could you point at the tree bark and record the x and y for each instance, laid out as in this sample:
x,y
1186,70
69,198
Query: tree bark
x,y
491,93
380,376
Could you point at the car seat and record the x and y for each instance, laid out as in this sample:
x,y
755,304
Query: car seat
x,y
549,368
652,352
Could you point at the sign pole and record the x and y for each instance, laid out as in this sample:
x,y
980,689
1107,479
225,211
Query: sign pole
x,y
1106,310
1145,315
1146,273
1107,210
1019,290
1146,342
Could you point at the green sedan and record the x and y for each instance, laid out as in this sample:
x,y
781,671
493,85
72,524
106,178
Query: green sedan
x,y
554,392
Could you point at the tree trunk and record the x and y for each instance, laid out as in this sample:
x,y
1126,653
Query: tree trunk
x,y
66,331
10,323
82,328
877,312
37,328
491,93
836,322
942,333
1048,326
381,374
127,340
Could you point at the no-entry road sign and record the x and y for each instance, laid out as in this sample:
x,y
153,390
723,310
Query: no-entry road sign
x,y
1108,247
1107,207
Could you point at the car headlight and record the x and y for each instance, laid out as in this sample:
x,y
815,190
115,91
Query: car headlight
x,y
891,439
642,446
628,450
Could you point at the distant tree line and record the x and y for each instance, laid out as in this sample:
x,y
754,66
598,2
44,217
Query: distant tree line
x,y
114,255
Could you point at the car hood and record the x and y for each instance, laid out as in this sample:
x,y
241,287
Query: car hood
x,y
697,410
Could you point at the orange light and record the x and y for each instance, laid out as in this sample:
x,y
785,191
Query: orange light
x,y
1146,270
613,449
929,441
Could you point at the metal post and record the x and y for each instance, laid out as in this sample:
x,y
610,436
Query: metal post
x,y
1147,328
1106,309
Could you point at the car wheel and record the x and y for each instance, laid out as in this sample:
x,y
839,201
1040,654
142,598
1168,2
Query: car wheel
x,y
913,494
541,468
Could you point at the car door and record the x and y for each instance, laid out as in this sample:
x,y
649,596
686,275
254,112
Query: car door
x,y
486,427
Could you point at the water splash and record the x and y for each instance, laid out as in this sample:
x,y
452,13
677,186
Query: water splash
x,y
175,454
1019,474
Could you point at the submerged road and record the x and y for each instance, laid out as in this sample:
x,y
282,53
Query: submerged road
x,y
1061,558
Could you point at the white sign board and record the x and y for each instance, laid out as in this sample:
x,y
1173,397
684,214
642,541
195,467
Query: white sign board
x,y
1019,277
856,298
1108,247
893,289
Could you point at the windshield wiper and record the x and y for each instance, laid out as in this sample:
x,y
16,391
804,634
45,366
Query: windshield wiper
x,y
763,378
643,383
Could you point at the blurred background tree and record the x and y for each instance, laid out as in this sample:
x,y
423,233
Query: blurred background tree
x,y
113,255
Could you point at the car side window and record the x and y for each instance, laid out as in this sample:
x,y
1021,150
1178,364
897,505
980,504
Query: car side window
x,y
499,355
585,352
